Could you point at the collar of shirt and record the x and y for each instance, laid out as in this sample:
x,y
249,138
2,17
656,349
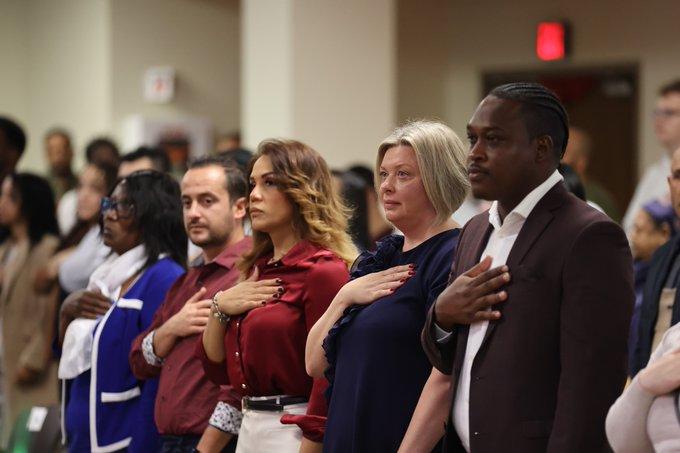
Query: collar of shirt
x,y
517,216
300,252
229,256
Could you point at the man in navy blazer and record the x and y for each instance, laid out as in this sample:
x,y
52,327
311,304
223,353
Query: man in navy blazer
x,y
534,324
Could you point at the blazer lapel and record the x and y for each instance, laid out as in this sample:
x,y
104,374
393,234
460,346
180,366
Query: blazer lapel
x,y
474,242
538,220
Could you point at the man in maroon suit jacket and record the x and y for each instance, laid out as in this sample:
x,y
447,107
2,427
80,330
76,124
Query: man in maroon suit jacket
x,y
534,324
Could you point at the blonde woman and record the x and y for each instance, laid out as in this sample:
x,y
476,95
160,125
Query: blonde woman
x,y
368,342
256,336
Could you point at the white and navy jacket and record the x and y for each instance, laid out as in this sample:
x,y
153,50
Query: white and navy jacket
x,y
107,408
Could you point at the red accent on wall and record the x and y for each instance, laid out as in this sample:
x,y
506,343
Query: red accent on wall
x,y
551,41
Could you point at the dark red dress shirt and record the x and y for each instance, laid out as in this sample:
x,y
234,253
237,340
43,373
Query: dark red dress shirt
x,y
186,398
265,347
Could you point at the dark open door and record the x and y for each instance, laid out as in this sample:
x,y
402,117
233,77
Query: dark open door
x,y
603,102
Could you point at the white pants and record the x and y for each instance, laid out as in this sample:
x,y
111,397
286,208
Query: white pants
x,y
263,432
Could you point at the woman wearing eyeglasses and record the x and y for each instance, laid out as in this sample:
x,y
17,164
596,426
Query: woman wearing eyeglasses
x,y
106,407
646,417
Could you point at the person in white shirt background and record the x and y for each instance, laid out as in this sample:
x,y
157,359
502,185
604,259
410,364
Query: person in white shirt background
x,y
653,185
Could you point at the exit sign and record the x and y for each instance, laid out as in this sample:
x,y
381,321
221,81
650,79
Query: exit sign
x,y
552,41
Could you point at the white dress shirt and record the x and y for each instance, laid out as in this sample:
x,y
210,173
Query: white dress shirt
x,y
75,271
500,243
67,211
652,186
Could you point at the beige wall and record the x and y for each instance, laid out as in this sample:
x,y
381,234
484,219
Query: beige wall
x,y
14,50
58,72
345,77
320,71
266,70
79,64
199,38
499,35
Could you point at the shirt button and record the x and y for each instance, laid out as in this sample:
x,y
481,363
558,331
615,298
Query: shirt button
x,y
238,323
237,354
476,433
243,386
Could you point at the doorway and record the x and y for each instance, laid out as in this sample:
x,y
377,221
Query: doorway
x,y
602,101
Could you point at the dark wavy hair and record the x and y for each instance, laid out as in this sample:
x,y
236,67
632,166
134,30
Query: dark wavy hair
x,y
156,198
319,213
36,204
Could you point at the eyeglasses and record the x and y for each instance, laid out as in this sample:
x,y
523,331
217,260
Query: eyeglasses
x,y
123,209
665,113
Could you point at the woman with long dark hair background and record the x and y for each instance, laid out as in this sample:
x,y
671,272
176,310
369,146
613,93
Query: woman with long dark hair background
x,y
28,370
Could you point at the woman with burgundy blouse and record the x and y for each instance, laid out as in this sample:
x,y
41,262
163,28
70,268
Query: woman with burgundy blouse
x,y
255,339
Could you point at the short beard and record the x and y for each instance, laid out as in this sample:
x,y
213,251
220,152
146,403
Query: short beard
x,y
210,241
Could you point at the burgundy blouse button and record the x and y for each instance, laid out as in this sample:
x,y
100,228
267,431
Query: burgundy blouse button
x,y
237,354
243,386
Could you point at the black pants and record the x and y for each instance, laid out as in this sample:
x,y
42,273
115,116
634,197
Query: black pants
x,y
187,443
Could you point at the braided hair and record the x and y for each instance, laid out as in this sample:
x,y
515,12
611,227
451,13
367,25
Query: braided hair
x,y
543,112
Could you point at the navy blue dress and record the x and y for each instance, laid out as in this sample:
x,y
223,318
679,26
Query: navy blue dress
x,y
377,367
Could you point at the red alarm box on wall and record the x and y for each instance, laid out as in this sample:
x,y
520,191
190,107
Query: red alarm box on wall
x,y
553,40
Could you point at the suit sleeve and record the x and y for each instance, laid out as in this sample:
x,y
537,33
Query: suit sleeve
x,y
596,307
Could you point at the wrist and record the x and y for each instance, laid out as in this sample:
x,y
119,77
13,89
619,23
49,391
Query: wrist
x,y
170,329
65,315
440,319
642,379
218,312
341,301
